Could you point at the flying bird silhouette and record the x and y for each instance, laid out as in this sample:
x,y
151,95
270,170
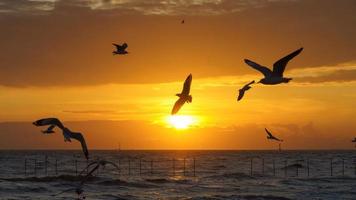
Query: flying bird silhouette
x,y
68,134
271,137
276,76
184,96
244,89
120,49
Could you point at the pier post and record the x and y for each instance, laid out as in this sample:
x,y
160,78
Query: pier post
x,y
76,167
343,167
174,166
251,160
35,170
140,163
274,169
331,167
308,166
194,167
56,168
25,166
119,167
129,167
151,166
297,169
45,163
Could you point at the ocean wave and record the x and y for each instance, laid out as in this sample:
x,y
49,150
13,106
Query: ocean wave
x,y
239,197
46,178
164,180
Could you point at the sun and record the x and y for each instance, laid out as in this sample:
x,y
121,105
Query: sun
x,y
180,121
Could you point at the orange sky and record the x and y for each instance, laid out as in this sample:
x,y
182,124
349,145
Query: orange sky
x,y
56,61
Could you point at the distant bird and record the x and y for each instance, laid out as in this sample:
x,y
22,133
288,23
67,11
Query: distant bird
x,y
243,90
120,49
49,130
182,22
271,137
276,76
68,134
183,96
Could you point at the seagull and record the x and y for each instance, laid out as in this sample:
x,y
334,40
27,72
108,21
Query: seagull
x,y
184,95
276,76
49,130
182,22
271,137
244,89
68,134
120,49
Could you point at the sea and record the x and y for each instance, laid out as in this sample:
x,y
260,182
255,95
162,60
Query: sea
x,y
180,174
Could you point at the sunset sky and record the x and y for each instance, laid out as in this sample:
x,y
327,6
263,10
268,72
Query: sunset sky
x,y
56,61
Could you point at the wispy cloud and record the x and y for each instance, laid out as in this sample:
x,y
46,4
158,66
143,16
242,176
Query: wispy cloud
x,y
162,7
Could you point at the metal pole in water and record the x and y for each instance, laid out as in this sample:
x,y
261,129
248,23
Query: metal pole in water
x,y
45,162
25,166
76,167
35,167
140,166
331,166
174,166
151,166
343,167
194,167
251,166
274,169
129,167
308,166
56,166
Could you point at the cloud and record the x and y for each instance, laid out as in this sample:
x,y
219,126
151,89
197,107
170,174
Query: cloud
x,y
167,7
71,44
338,74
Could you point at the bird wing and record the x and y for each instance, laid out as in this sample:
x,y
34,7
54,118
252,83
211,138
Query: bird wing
x,y
280,65
179,103
252,82
269,133
186,85
118,47
49,121
124,46
241,94
264,70
80,138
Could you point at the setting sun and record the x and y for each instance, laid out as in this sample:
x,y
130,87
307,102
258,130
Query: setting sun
x,y
180,121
